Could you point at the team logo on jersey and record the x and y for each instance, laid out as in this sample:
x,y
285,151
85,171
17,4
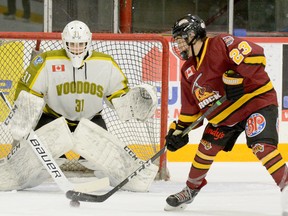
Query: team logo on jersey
x,y
255,124
257,148
207,145
228,40
58,68
190,71
205,95
38,60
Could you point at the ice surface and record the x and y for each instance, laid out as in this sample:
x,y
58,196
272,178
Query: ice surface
x,y
233,189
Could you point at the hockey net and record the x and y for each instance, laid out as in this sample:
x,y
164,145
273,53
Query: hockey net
x,y
142,57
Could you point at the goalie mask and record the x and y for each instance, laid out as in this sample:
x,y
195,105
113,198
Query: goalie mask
x,y
187,26
76,38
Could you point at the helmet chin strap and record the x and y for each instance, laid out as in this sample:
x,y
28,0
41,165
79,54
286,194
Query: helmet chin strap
x,y
193,52
184,54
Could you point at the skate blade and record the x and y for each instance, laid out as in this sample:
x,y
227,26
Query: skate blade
x,y
178,208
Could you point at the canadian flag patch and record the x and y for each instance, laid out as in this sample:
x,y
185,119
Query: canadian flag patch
x,y
189,72
58,68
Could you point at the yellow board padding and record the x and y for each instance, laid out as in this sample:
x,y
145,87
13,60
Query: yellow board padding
x,y
4,150
12,67
239,153
72,155
143,152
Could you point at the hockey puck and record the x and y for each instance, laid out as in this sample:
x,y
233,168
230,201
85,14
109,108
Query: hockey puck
x,y
74,203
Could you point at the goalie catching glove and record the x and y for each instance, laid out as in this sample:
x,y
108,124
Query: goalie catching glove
x,y
139,103
174,138
233,84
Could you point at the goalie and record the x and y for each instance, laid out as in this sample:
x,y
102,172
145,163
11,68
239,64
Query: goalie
x,y
73,82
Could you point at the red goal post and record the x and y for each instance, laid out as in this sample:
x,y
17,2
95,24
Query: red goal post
x,y
142,57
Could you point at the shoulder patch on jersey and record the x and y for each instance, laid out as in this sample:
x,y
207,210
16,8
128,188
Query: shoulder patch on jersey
x,y
228,40
189,72
38,60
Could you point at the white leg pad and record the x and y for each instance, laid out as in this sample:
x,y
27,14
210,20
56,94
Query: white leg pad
x,y
28,109
109,156
23,169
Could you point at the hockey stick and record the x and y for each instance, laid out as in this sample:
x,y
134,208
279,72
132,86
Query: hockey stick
x,y
207,113
49,163
36,51
78,196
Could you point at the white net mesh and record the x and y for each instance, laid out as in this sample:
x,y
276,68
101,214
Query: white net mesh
x,y
140,59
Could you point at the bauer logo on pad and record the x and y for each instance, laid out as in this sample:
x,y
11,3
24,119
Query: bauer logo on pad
x,y
58,68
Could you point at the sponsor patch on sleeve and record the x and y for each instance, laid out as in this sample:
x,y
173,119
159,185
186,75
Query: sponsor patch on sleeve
x,y
228,40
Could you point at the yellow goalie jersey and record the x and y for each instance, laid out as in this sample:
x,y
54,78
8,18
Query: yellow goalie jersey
x,y
71,92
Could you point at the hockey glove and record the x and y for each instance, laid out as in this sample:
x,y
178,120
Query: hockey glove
x,y
233,84
174,138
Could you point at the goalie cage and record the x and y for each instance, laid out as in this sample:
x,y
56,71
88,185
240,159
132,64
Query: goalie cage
x,y
142,57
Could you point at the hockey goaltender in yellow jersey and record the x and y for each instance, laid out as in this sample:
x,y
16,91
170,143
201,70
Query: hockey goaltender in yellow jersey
x,y
67,88
74,92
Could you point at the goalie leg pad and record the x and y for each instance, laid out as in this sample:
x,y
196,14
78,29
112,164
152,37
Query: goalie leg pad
x,y
109,156
23,169
27,111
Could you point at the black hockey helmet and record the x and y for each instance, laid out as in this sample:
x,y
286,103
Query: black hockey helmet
x,y
187,24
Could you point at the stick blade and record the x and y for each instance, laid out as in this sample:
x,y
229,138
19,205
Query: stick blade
x,y
85,197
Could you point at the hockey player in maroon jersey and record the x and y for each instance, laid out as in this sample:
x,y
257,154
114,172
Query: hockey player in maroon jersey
x,y
214,67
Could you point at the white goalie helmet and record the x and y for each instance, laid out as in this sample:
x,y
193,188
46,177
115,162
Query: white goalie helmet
x,y
76,38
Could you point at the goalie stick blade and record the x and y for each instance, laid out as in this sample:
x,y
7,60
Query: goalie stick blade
x,y
85,197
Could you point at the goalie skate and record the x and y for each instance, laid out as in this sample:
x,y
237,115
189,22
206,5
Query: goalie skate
x,y
179,201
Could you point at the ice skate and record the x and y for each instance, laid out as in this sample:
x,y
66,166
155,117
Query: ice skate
x,y
179,201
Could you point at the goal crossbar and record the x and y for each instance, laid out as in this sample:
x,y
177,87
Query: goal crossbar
x,y
142,57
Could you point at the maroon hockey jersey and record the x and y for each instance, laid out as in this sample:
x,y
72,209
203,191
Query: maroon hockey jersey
x,y
202,85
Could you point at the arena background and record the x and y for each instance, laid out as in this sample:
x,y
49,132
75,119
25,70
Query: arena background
x,y
158,17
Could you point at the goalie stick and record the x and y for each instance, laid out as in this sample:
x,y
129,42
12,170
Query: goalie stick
x,y
49,163
36,51
85,197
